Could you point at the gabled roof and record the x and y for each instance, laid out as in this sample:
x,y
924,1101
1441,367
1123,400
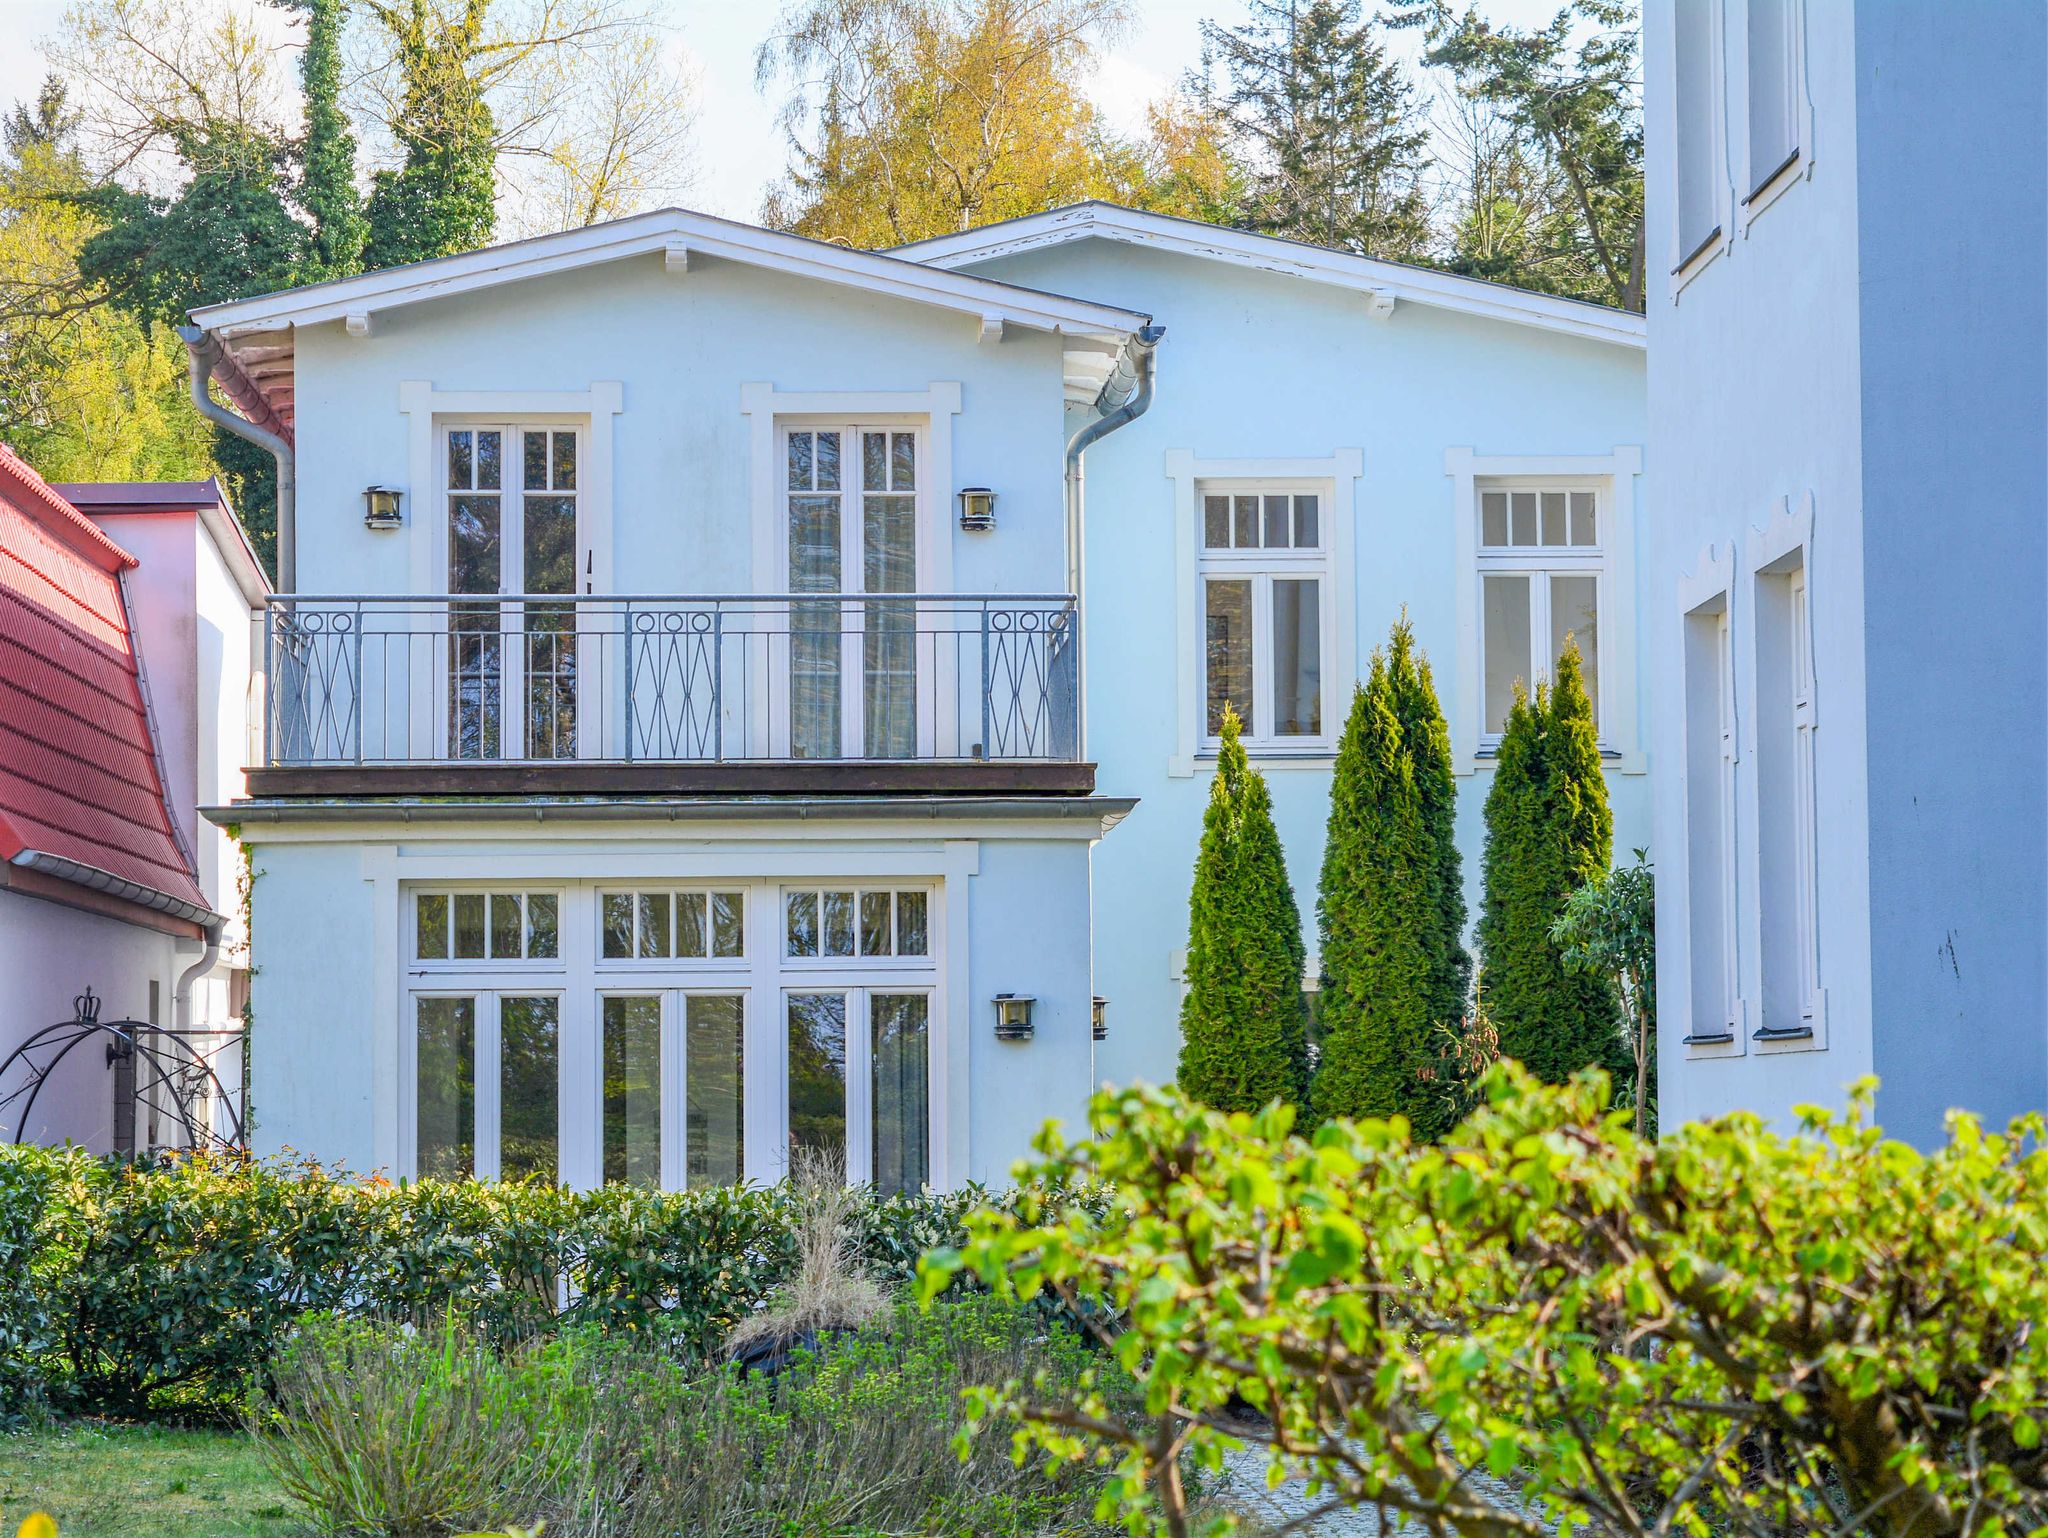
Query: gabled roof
x,y
257,332
1393,281
207,500
81,790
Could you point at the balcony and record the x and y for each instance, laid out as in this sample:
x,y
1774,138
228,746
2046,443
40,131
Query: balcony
x,y
536,694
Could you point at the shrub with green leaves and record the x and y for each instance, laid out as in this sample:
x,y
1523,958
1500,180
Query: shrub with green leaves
x,y
1243,1022
1732,1331
1609,928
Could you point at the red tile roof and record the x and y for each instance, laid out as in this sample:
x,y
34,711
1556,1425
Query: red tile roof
x,y
78,763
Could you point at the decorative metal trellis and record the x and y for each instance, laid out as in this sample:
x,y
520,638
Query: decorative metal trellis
x,y
164,1059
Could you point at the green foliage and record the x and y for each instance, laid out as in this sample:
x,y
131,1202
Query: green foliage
x,y
327,154
1548,833
1243,1025
379,1430
1609,928
1732,1331
1391,905
1336,143
443,198
128,1283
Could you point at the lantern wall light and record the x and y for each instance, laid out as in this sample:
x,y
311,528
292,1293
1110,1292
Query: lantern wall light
x,y
977,508
1013,1016
382,507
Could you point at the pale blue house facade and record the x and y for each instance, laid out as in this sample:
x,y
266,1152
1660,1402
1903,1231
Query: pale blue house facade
x,y
1844,610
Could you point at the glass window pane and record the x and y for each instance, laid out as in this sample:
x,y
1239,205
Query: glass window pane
x,y
534,461
902,1095
542,926
828,461
1276,523
874,924
475,559
565,461
461,461
1308,534
446,1089
489,451
1493,518
530,1030
656,938
800,461
728,924
1506,622
1585,530
1522,518
715,1026
1553,518
803,924
1297,659
632,1090
1216,522
469,926
1229,652
1247,523
903,462
432,926
618,925
507,926
817,1074
911,924
839,923
1572,603
692,936
874,461
550,545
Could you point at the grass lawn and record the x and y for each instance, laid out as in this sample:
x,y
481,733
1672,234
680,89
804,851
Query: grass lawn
x,y
102,1479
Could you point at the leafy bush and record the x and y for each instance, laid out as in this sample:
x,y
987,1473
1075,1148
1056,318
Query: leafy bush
x,y
380,1430
1729,1332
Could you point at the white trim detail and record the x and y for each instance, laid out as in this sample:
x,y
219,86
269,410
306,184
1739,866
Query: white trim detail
x,y
1619,474
1800,167
1337,476
1386,282
1691,264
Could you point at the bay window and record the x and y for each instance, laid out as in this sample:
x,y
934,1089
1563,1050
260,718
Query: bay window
x,y
1264,576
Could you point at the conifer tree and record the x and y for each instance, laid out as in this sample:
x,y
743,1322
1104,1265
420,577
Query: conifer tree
x,y
1426,739
1548,832
1375,912
1243,1026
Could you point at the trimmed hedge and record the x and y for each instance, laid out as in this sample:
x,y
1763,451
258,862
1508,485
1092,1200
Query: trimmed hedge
x,y
127,1282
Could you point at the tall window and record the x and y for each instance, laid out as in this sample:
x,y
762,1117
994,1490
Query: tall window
x,y
1773,89
1540,565
1696,61
1788,866
1264,579
1710,758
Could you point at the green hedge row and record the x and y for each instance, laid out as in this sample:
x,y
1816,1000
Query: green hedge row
x,y
123,1282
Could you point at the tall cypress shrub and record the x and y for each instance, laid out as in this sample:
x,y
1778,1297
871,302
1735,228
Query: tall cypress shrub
x,y
327,179
1375,913
1243,1027
1426,739
1548,832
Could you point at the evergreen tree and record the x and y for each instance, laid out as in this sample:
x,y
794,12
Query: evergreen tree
x,y
1243,1027
327,179
1374,911
443,198
1426,739
1336,139
1548,832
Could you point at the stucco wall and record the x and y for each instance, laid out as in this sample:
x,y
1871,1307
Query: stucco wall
x,y
1257,365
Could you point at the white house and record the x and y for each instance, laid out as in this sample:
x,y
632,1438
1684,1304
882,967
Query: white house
x,y
703,680
1845,601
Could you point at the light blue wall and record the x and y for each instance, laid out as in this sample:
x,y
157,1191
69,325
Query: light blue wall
x,y
1258,365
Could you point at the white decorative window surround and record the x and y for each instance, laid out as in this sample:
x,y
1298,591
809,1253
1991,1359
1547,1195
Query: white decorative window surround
x,y
1702,212
771,412
429,412
1260,565
1779,117
1781,726
1717,1024
1610,563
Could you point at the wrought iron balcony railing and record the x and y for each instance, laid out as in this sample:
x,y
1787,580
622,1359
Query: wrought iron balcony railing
x,y
545,679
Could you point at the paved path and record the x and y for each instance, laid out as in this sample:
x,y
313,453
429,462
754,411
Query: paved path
x,y
1244,1489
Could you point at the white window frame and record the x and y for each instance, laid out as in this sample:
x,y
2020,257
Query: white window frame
x,y
894,961
1537,565
1334,479
1613,477
487,1068
1689,264
859,997
1799,167
1713,762
1262,567
609,965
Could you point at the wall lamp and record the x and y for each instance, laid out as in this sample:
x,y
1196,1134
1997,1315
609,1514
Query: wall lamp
x,y
977,508
1013,1016
382,507
1098,1019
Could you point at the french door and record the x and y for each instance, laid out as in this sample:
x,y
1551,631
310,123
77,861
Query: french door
x,y
512,516
851,514
486,1085
673,1070
859,1085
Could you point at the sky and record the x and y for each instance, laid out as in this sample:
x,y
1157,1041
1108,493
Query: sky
x,y
740,150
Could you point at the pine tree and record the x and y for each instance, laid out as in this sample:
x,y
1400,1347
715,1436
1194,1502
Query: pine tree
x,y
1337,142
1375,913
1243,1027
1426,739
327,179
1548,832
443,198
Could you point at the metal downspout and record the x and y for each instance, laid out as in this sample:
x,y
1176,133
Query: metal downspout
x,y
1134,405
204,353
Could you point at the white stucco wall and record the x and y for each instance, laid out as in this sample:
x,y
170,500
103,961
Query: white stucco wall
x,y
1258,365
